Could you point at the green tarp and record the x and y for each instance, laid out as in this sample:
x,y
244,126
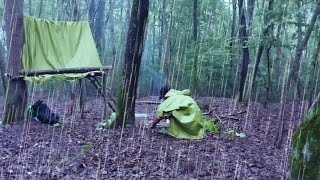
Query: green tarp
x,y
53,45
186,120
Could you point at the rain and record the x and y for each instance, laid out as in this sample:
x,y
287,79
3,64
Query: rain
x,y
84,84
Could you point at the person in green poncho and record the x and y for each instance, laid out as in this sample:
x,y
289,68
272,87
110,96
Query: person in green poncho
x,y
186,120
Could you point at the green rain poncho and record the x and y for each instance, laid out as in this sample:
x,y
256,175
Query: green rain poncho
x,y
186,120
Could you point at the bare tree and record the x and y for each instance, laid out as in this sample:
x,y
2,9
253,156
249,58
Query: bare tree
x,y
99,33
16,96
133,54
3,67
243,36
197,46
293,76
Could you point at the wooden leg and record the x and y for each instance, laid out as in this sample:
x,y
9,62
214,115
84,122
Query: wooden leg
x,y
81,98
104,89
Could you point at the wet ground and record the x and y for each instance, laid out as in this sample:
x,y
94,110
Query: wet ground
x,y
77,150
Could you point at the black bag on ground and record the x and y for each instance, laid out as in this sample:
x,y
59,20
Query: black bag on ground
x,y
42,113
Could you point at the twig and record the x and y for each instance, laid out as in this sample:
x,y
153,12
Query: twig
x,y
148,102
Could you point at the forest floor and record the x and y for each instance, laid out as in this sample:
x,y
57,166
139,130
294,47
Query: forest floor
x,y
77,150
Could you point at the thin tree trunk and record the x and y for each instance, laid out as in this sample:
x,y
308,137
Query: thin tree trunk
x,y
233,30
30,9
195,38
152,87
268,81
265,34
40,8
168,49
293,76
301,46
99,28
245,50
16,96
75,11
232,42
91,13
163,21
314,72
112,35
3,67
134,49
250,5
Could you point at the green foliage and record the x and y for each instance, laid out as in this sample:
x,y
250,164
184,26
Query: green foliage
x,y
210,126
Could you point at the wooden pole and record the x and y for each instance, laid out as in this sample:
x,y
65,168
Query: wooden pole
x,y
81,98
104,89
64,71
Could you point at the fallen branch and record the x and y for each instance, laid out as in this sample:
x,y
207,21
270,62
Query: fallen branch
x,y
148,102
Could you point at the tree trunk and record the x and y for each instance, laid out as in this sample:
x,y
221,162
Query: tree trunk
x,y
133,54
30,8
314,72
233,30
232,42
75,11
99,28
163,21
245,50
301,46
16,96
268,81
91,13
40,8
196,42
266,33
3,67
293,76
250,5
167,46
112,35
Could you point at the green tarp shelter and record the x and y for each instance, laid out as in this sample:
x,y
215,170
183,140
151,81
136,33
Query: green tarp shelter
x,y
56,45
56,50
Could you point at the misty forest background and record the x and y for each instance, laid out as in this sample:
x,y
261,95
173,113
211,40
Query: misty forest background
x,y
252,50
264,51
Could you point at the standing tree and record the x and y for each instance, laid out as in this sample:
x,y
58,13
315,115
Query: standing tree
x,y
134,49
91,13
295,68
3,67
16,96
197,46
112,36
243,36
99,33
264,42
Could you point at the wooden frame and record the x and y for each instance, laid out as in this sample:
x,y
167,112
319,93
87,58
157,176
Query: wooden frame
x,y
94,72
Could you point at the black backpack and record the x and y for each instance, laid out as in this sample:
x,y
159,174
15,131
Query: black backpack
x,y
42,113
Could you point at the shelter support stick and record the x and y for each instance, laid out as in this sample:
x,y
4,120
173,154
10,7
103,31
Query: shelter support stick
x,y
64,71
101,92
104,89
81,98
